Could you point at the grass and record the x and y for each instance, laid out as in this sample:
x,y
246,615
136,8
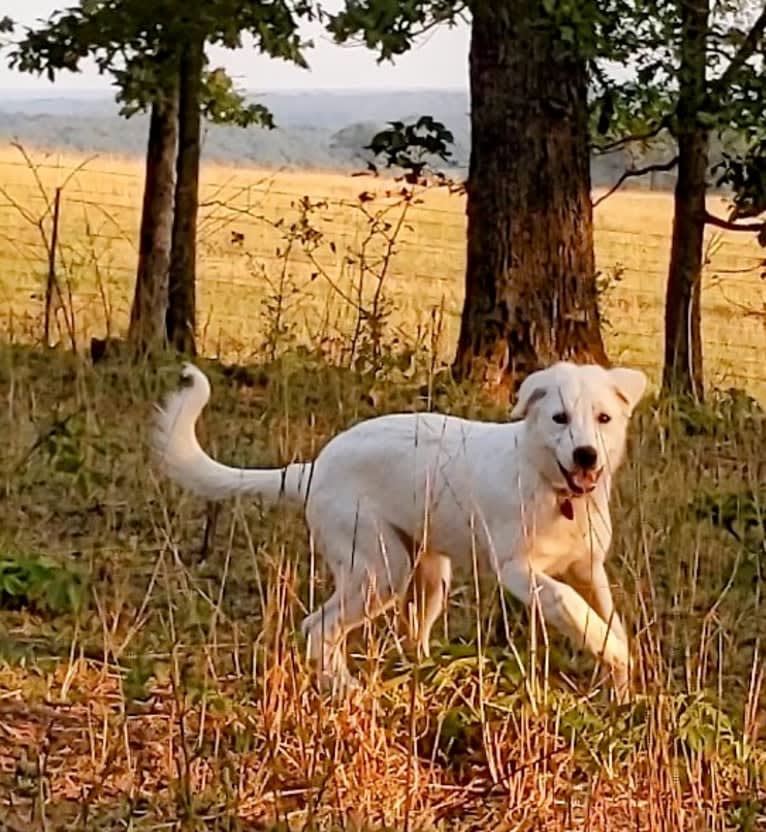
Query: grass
x,y
259,242
165,684
151,674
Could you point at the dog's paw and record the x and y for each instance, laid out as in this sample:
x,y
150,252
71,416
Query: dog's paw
x,y
339,686
622,680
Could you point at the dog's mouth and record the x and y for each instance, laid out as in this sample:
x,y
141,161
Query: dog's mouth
x,y
580,481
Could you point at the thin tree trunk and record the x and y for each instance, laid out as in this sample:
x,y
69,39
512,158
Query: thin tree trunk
x,y
150,300
531,279
683,371
181,313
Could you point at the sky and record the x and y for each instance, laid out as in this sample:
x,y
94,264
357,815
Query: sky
x,y
439,60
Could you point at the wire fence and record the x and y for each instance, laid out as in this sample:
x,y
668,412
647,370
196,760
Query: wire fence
x,y
315,250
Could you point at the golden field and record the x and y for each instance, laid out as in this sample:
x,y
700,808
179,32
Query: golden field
x,y
100,205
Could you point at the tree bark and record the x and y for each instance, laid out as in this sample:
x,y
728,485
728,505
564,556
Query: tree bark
x,y
181,313
531,294
683,370
150,300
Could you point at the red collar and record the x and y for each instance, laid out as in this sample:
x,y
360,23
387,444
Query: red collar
x,y
567,508
566,503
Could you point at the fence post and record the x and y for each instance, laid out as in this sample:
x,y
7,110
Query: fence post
x,y
51,282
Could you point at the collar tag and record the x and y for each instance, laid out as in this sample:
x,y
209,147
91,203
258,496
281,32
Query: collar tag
x,y
566,508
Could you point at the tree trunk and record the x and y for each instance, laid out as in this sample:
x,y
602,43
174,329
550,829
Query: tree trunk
x,y
181,313
150,300
530,279
682,372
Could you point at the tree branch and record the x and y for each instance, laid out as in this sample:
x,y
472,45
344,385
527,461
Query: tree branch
x,y
728,225
638,137
741,56
634,172
353,26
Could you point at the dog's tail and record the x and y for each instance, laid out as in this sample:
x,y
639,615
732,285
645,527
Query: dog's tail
x,y
183,460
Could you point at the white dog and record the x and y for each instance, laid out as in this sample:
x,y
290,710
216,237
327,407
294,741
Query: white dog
x,y
399,499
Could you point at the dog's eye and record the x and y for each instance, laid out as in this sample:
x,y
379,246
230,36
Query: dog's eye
x,y
604,418
561,418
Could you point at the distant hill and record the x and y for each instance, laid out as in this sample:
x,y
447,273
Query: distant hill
x,y
315,129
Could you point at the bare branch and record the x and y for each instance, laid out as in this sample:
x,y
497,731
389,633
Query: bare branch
x,y
72,173
617,144
47,199
729,225
741,56
23,212
634,172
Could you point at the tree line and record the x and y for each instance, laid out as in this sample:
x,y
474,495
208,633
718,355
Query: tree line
x,y
551,82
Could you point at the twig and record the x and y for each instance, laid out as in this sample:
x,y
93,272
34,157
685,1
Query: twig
x,y
58,425
609,147
30,218
40,185
633,172
52,281
72,173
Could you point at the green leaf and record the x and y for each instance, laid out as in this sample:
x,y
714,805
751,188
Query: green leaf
x,y
38,582
68,463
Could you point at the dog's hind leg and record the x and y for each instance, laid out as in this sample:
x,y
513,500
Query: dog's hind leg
x,y
366,584
425,602
325,630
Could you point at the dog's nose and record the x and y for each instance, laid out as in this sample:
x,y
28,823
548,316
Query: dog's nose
x,y
585,457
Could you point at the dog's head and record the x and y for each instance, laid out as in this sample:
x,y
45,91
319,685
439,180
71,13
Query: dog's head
x,y
577,419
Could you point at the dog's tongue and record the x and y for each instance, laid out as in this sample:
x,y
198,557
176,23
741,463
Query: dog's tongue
x,y
586,480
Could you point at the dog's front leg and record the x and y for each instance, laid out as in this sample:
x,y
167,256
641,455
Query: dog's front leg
x,y
589,578
564,608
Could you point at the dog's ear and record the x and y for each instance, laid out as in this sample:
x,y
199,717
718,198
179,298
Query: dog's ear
x,y
532,389
630,386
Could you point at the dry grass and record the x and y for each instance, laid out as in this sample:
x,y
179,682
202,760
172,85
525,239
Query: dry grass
x,y
150,672
98,250
176,693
